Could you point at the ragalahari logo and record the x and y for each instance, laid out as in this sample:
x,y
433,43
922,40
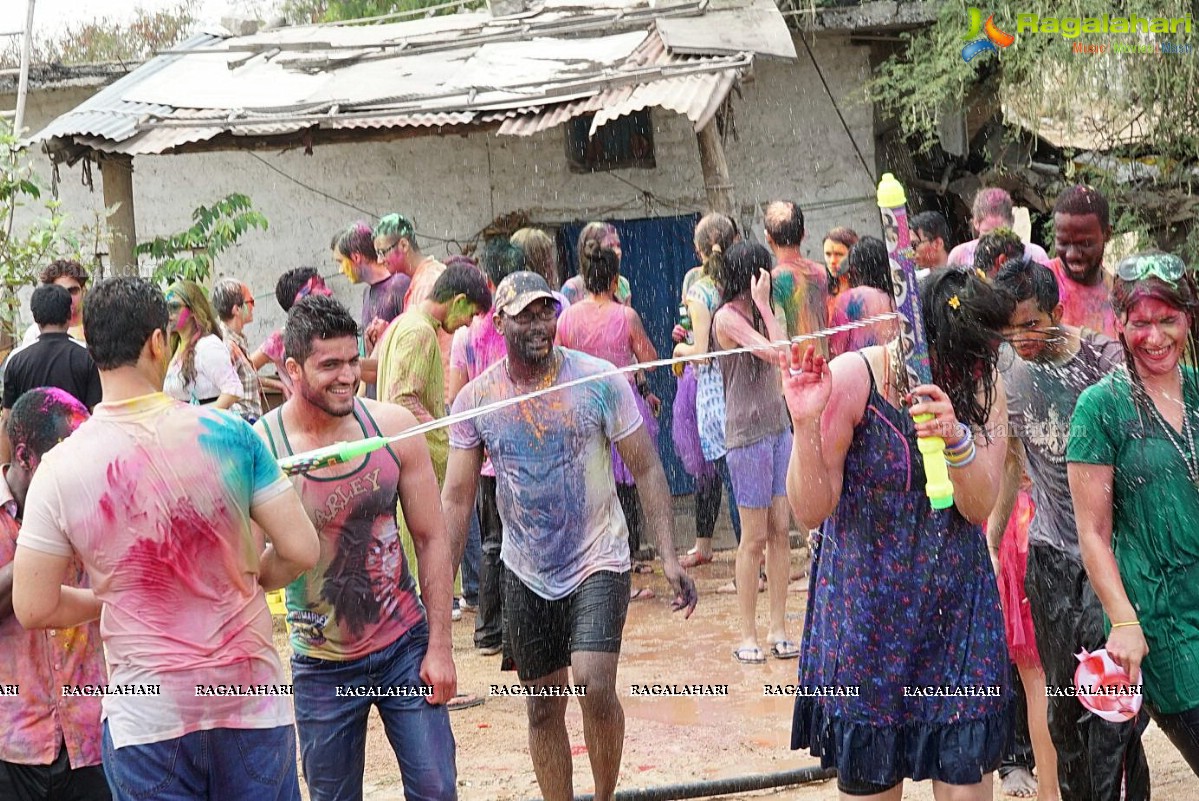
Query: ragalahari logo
x,y
991,36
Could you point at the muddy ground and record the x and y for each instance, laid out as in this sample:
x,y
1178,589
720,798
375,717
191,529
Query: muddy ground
x,y
668,740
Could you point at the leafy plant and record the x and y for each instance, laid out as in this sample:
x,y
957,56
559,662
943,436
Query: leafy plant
x,y
191,254
104,39
1140,106
25,249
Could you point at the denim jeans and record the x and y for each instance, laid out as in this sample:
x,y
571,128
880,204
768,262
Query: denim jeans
x,y
332,728
233,764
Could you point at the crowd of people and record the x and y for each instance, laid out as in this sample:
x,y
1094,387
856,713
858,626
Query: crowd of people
x,y
145,514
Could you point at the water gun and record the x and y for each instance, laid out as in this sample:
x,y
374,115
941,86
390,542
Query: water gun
x,y
337,453
892,204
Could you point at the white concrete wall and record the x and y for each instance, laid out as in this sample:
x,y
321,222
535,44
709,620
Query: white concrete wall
x,y
791,146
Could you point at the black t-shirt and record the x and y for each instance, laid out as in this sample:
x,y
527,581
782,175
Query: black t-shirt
x,y
55,360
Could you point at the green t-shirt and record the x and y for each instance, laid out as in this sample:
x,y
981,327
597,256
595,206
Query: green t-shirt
x,y
1155,528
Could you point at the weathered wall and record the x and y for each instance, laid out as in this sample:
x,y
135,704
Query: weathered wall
x,y
790,145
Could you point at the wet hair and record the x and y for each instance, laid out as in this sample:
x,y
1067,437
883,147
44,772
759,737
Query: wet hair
x,y
996,249
869,264
1022,279
463,279
992,202
963,339
500,258
120,316
540,255
843,236
227,295
847,238
1183,296
1080,200
42,417
204,323
714,236
461,258
396,225
784,222
315,317
290,284
63,268
933,225
357,238
601,267
50,305
741,264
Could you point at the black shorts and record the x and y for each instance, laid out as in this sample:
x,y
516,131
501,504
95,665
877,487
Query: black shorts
x,y
57,780
543,634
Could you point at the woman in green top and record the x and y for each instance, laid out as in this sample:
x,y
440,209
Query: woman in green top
x,y
1134,477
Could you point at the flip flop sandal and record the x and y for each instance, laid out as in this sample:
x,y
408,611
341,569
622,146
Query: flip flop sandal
x,y
784,649
642,594
749,656
643,568
694,559
464,701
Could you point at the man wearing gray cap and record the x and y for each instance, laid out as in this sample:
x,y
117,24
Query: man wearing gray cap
x,y
566,551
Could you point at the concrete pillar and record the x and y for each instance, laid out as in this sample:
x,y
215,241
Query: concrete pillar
x,y
117,176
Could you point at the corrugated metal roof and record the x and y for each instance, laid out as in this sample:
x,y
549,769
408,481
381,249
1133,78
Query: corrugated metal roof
x,y
528,73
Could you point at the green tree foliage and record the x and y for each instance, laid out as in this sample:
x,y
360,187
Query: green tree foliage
x,y
24,251
191,254
104,39
1133,106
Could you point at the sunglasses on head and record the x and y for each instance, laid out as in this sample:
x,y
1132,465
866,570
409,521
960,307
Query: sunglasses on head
x,y
1165,266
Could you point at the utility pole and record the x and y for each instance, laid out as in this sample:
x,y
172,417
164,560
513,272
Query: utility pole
x,y
18,114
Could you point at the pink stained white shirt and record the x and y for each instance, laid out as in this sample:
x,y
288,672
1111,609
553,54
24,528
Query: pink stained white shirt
x,y
155,496
35,724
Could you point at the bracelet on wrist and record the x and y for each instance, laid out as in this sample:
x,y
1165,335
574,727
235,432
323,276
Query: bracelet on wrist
x,y
959,460
1126,623
964,440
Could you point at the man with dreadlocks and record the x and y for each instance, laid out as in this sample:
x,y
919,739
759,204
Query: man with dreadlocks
x,y
1096,759
1134,475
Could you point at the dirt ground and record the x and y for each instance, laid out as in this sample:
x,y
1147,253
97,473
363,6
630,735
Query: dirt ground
x,y
668,740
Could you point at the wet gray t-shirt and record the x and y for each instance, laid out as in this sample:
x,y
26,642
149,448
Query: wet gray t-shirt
x,y
1041,400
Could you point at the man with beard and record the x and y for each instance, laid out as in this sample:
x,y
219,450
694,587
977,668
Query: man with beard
x,y
358,630
157,499
566,549
1096,759
1081,229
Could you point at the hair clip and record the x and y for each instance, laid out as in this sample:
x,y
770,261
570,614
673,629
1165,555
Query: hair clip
x,y
954,303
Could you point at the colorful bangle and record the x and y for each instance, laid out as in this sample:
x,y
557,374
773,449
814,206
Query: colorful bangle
x,y
1126,623
963,442
961,458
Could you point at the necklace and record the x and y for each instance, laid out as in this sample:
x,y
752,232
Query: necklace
x,y
1189,458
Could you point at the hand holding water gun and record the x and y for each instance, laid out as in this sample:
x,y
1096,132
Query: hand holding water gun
x,y
930,399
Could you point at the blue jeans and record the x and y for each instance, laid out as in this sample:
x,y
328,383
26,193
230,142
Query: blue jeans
x,y
471,558
234,764
333,729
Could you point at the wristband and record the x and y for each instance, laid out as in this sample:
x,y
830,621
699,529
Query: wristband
x,y
1126,623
